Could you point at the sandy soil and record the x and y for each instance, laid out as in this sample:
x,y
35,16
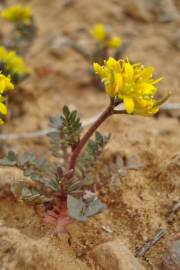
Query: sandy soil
x,y
140,208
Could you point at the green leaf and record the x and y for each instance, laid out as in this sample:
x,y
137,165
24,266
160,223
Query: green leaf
x,y
9,160
66,111
80,210
56,121
93,150
12,156
24,159
95,207
76,208
68,132
53,184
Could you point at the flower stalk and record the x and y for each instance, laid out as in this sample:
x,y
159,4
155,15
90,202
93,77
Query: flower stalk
x,y
107,112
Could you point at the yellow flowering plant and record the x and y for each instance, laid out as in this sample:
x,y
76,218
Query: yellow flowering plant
x,y
24,28
131,84
105,42
5,85
101,35
69,185
17,14
13,65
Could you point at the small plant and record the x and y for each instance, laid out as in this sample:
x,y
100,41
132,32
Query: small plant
x,y
5,85
13,65
67,187
105,42
105,45
24,28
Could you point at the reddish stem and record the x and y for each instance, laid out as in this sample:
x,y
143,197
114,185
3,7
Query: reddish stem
x,y
88,134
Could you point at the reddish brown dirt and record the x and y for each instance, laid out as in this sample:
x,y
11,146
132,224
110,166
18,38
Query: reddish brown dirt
x,y
139,209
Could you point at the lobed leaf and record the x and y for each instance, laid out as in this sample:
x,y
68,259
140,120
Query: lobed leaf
x,y
93,150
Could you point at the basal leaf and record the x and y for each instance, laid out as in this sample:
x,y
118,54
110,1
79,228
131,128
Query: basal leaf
x,y
82,210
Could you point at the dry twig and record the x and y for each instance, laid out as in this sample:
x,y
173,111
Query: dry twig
x,y
38,133
170,106
149,244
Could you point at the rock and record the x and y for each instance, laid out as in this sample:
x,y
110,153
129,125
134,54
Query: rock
x,y
162,10
59,46
171,260
68,3
19,252
168,11
138,10
114,255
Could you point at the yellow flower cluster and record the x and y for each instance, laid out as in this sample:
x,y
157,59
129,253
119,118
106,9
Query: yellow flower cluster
x,y
12,63
17,13
99,32
5,85
131,83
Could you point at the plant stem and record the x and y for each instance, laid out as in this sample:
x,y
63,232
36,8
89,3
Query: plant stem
x,y
88,134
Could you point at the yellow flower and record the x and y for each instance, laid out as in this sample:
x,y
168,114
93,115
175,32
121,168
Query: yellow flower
x,y
5,84
114,42
17,13
12,64
3,108
98,31
131,83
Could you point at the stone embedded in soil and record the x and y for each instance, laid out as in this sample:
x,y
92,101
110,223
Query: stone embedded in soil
x,y
19,252
114,255
171,260
59,46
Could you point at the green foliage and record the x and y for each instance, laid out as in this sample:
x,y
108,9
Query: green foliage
x,y
23,28
10,160
93,151
71,127
89,161
28,194
23,36
66,134
81,210
52,179
32,165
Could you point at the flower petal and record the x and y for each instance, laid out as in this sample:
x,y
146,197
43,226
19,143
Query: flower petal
x,y
129,70
99,70
2,85
146,88
1,122
147,73
113,64
129,104
98,31
3,109
157,80
114,42
118,81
